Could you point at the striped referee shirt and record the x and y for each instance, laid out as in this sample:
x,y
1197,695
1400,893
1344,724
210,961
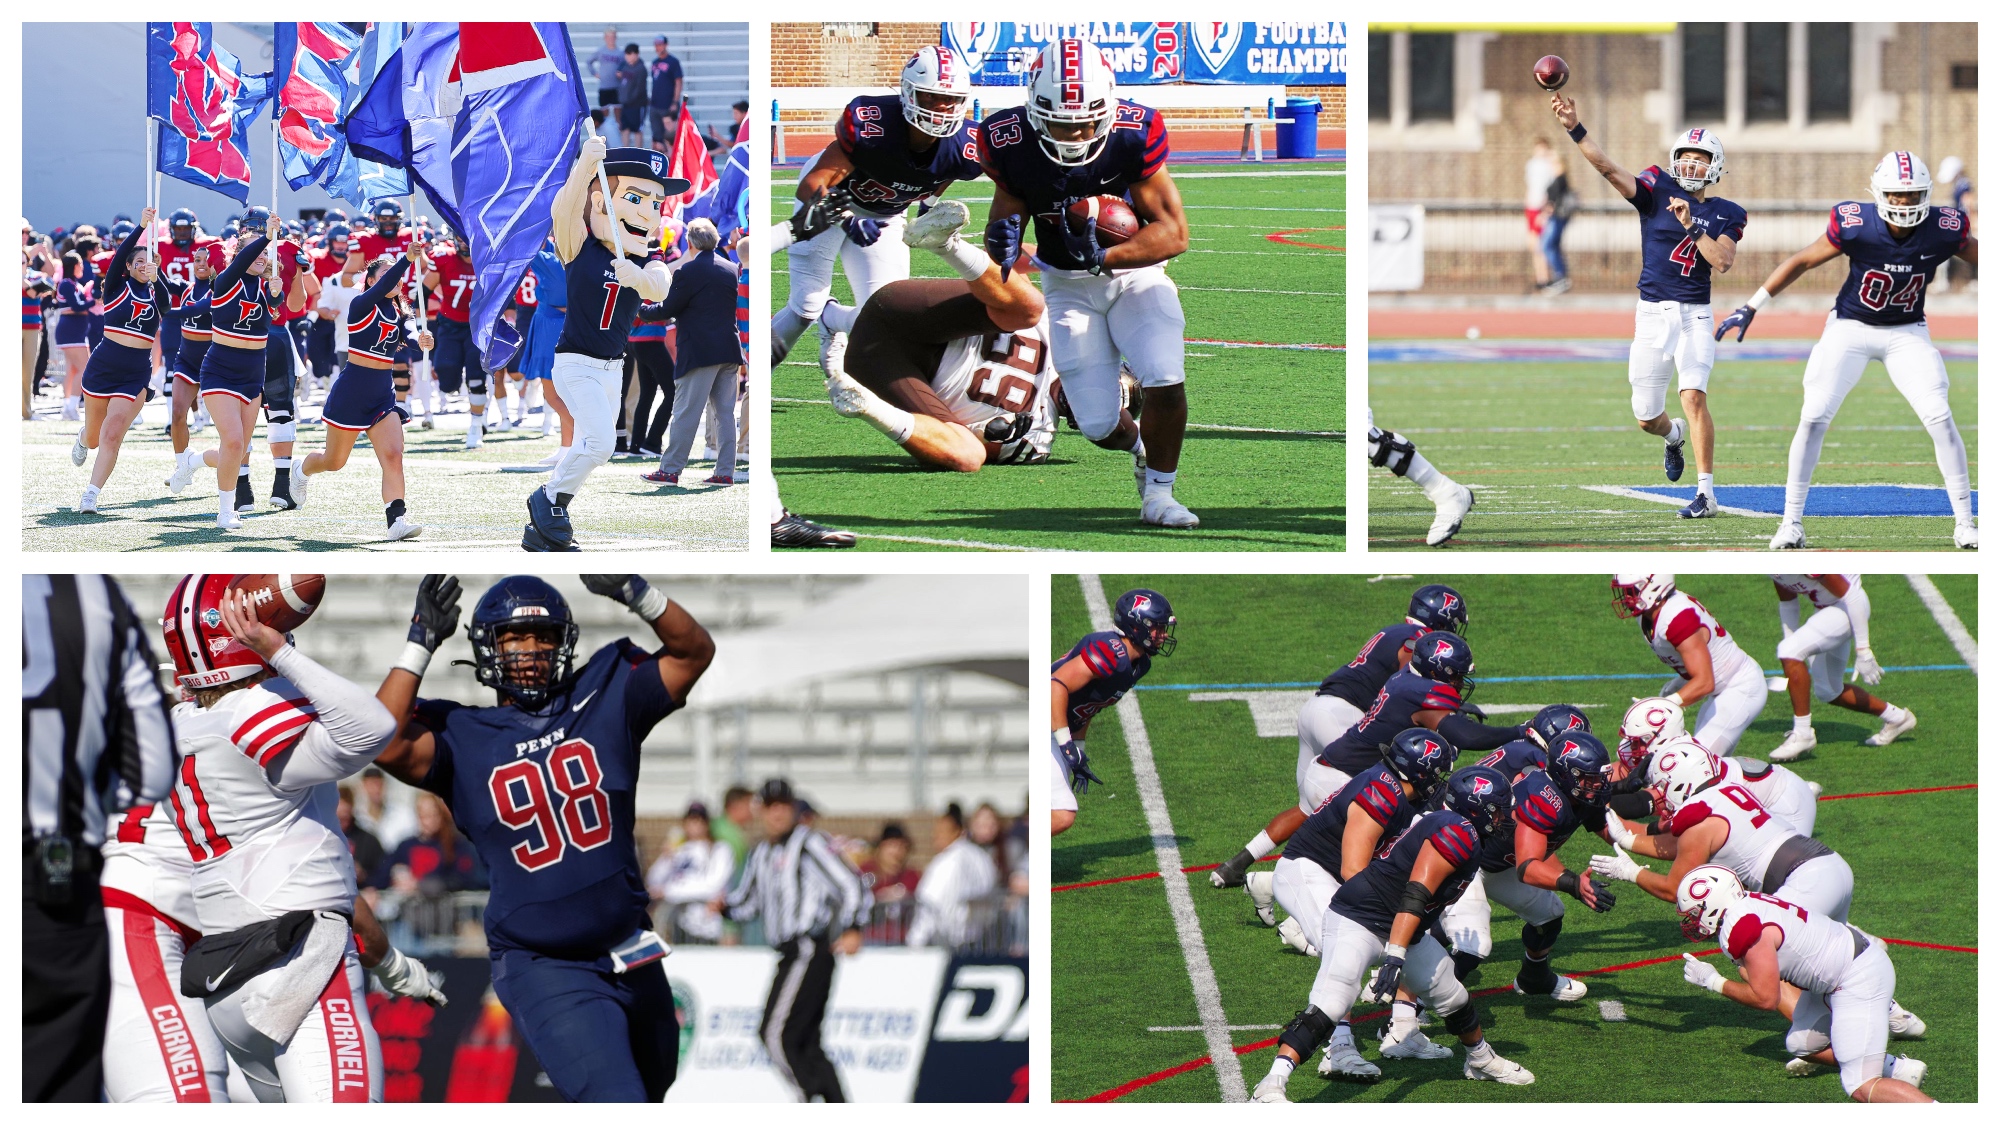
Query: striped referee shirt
x,y
800,887
93,718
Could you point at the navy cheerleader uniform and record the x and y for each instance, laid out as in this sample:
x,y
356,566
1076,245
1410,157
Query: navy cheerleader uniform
x,y
122,365
362,396
239,311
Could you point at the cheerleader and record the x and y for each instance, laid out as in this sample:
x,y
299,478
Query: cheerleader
x,y
114,380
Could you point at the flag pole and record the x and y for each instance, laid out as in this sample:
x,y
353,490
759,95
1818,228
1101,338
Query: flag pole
x,y
152,184
276,274
423,313
604,185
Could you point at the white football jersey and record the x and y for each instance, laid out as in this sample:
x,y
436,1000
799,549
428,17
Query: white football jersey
x,y
1814,951
1754,831
1778,789
983,377
258,850
1680,617
147,859
1809,587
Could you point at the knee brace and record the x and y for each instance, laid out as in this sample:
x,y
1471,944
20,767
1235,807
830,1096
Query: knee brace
x,y
284,431
479,398
1389,450
1461,1019
1307,1031
1803,1041
1542,936
400,379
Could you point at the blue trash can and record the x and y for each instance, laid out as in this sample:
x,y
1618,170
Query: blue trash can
x,y
1298,129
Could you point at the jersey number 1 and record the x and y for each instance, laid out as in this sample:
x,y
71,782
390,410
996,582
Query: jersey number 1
x,y
521,800
610,306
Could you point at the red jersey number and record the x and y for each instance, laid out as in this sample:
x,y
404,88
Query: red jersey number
x,y
521,800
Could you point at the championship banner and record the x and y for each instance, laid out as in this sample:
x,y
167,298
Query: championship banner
x,y
1266,54
1001,53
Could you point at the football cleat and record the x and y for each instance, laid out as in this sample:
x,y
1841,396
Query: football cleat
x,y
849,398
1904,1024
1675,463
938,227
1340,1058
793,531
1450,516
77,453
1890,732
1258,886
403,529
1791,536
1292,934
1162,510
1907,1069
185,464
1796,745
1965,535
1497,1069
832,351
1405,1040
1271,1089
1701,508
1802,1068
1568,989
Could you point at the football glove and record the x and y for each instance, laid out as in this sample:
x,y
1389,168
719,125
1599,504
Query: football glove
x,y
819,215
436,617
863,231
1617,866
1615,830
1003,243
406,976
1588,891
1866,668
1700,973
1080,777
628,590
1390,976
1020,442
1081,245
1739,320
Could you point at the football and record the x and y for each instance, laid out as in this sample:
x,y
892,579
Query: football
x,y
1551,72
1115,221
283,601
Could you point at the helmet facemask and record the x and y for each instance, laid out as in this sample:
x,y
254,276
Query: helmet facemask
x,y
1695,174
506,660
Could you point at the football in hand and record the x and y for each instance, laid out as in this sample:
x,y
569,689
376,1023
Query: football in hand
x,y
1551,73
1115,221
283,601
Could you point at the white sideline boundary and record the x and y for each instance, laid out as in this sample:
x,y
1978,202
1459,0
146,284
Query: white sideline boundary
x,y
1167,853
1946,618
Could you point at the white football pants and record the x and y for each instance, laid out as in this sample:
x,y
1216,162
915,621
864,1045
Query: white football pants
x,y
1095,321
1668,336
1853,1019
333,1057
158,1045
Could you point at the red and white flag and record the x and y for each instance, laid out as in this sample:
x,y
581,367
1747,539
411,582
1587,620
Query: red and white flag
x,y
689,162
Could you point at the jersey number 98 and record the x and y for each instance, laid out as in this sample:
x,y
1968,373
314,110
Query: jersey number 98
x,y
521,799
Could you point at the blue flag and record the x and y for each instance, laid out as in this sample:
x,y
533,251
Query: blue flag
x,y
311,82
205,103
358,181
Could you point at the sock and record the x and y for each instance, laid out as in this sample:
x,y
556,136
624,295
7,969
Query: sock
x,y
1157,479
1401,1011
967,260
1462,964
1704,483
91,489
1677,433
1479,1052
1800,463
394,512
1892,713
243,474
477,424
1951,459
1802,723
1282,1067
899,424
228,501
839,317
1139,449
1424,475
1262,845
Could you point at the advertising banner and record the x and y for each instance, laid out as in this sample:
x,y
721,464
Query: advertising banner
x,y
979,1040
1001,53
1266,54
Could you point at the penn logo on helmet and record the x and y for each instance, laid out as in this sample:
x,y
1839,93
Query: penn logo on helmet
x,y
1481,786
1444,650
1450,602
1141,603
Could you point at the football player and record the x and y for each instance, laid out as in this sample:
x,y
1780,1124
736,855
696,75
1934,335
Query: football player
x,y
458,360
1813,655
879,167
1335,707
957,373
1657,721
1110,307
1893,246
1710,668
1386,913
540,783
1843,1010
1398,454
1093,676
1687,234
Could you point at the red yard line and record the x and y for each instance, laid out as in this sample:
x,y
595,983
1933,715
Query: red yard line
x,y
1147,875
1283,236
1928,945
1901,792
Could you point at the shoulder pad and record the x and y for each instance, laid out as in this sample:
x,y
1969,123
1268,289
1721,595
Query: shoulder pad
x,y
1455,840
1690,814
1741,929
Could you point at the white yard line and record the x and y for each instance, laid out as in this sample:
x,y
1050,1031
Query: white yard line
x,y
1232,1027
1947,619
969,543
1167,854
1635,494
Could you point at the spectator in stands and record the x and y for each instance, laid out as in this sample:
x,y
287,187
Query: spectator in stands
x,y
605,65
688,881
894,883
632,99
1539,170
1015,850
739,115
361,843
668,82
986,829
1557,207
960,874
436,861
734,828
391,822
702,301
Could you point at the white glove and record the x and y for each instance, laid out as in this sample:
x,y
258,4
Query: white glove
x,y
628,275
1614,827
1866,668
406,976
1618,866
1700,973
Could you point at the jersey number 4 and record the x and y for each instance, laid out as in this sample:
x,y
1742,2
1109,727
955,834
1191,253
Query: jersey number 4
x,y
1686,256
521,799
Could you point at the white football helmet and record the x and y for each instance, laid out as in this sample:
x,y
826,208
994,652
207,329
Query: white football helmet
x,y
1071,85
1704,895
1901,172
1634,594
939,72
1690,175
1649,721
1678,768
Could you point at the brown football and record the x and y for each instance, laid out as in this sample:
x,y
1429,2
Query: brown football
x,y
1551,72
1115,221
283,601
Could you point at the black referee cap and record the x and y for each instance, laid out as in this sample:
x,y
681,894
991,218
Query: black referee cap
x,y
776,791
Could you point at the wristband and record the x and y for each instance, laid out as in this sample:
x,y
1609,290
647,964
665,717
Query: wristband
x,y
1394,950
1758,299
650,605
415,659
1577,134
1062,735
1566,883
1674,698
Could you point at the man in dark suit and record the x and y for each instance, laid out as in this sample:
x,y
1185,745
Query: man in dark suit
x,y
702,303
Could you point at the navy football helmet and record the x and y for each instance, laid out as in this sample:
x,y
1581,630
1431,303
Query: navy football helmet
x,y
1444,657
338,231
1439,607
1580,765
522,602
1147,620
1422,758
1556,720
121,228
388,216
182,226
254,221
1482,796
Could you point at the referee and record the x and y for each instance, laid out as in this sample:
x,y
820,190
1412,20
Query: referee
x,y
806,895
98,740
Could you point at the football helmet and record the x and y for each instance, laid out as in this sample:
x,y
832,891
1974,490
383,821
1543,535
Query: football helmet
x,y
1704,895
338,232
182,226
1482,796
1070,87
939,72
1648,721
1421,757
1901,172
1439,607
1444,657
388,217
1146,620
1690,175
205,655
1678,768
1556,720
1580,765
122,228
1636,594
522,602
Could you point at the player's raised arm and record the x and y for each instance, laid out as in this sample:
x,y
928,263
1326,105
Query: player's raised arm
x,y
1164,232
408,755
350,728
1626,184
686,649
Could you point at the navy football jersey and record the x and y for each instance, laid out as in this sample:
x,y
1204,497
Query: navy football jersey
x,y
374,323
888,176
1405,694
1114,668
1515,757
598,318
1376,792
1374,896
1540,805
1360,680
546,797
239,307
1886,275
1013,158
1670,267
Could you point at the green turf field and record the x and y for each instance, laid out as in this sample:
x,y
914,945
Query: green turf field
x,y
1260,466
1529,438
462,499
1118,972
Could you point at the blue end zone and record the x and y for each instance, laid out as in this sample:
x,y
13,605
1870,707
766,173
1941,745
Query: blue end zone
x,y
1592,351
1824,500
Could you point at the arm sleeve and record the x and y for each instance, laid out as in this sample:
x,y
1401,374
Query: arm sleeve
x,y
1788,615
1471,736
115,272
351,729
853,910
238,265
1856,604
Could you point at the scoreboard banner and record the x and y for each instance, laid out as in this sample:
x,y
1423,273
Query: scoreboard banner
x,y
1142,54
